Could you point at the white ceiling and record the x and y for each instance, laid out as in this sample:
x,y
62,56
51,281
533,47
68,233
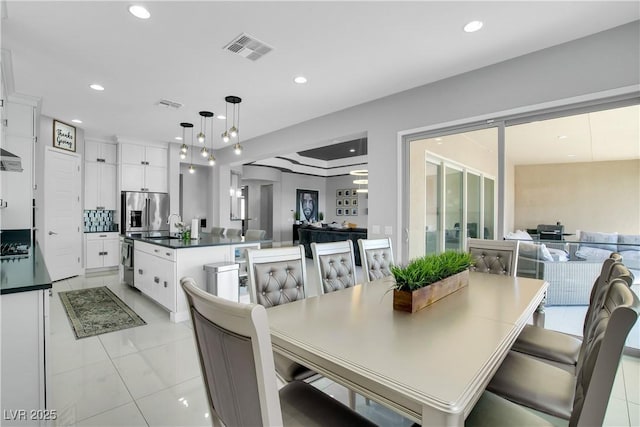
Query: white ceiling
x,y
351,52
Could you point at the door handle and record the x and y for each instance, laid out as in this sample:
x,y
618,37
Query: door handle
x,y
156,279
51,233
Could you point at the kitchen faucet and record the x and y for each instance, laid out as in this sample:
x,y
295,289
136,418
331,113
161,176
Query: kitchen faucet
x,y
169,221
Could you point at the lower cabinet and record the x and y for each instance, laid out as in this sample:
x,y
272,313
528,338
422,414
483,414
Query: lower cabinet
x,y
102,250
155,274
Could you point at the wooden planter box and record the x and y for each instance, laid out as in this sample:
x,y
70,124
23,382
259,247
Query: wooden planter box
x,y
420,298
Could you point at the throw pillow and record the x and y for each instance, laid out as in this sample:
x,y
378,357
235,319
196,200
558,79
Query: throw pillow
x,y
593,254
518,235
628,242
533,251
605,241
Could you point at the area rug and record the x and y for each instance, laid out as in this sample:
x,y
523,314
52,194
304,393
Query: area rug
x,y
95,311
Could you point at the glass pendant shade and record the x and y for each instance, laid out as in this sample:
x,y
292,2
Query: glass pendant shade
x,y
201,138
184,149
204,152
183,156
225,136
237,148
233,132
192,169
212,160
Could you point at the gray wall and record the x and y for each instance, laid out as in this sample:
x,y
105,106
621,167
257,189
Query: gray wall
x,y
602,62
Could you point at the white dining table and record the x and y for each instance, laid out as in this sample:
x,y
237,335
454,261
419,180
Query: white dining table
x,y
430,366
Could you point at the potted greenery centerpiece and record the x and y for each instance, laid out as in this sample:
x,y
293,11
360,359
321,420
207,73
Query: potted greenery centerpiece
x,y
426,280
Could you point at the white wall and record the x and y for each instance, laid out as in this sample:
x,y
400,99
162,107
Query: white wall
x,y
195,197
579,68
290,182
345,182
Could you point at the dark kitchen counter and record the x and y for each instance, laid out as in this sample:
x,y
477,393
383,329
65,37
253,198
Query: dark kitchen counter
x,y
206,239
24,274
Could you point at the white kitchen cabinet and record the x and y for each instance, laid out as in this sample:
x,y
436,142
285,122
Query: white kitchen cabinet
x,y
102,250
143,168
155,273
100,175
25,332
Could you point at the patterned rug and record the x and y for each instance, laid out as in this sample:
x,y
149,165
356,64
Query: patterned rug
x,y
95,311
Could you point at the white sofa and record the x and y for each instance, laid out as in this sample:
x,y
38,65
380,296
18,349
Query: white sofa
x,y
571,268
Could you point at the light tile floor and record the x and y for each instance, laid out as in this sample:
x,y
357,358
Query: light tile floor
x,y
149,375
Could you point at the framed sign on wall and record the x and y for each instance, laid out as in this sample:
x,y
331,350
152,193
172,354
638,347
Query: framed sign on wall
x,y
64,136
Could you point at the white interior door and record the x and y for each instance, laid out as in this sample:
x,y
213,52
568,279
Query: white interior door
x,y
62,214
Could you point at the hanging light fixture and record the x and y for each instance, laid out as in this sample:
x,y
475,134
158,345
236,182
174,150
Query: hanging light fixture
x,y
212,159
235,125
204,115
237,148
192,169
183,147
225,134
360,181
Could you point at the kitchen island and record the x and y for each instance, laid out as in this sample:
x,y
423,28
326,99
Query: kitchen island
x,y
24,309
161,261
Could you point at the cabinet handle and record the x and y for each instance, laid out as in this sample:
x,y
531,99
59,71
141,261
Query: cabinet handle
x,y
139,271
156,250
103,235
100,208
165,284
156,279
168,253
100,160
146,163
105,253
141,162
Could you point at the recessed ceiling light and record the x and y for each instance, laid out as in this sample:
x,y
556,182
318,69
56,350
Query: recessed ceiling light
x,y
139,11
571,155
76,121
352,150
473,26
563,137
359,172
438,139
178,138
221,116
300,80
96,86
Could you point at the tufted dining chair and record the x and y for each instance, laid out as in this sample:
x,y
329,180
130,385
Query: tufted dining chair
x,y
253,234
232,233
335,264
278,276
236,361
218,231
561,349
494,256
579,399
377,258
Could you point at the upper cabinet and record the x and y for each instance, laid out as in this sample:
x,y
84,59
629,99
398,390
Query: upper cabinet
x,y
100,175
143,168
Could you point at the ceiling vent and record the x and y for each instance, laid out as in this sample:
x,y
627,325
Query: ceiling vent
x,y
248,47
169,104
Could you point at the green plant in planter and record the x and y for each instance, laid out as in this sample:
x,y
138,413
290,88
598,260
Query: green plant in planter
x,y
320,216
296,216
429,269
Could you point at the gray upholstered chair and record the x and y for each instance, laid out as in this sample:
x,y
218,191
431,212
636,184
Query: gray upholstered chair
x,y
233,233
234,348
376,256
218,231
494,256
278,276
562,349
580,399
254,234
335,264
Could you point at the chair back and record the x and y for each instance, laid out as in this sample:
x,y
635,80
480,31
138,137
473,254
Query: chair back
x,y
598,363
494,256
252,234
234,348
276,275
233,233
218,231
335,264
376,256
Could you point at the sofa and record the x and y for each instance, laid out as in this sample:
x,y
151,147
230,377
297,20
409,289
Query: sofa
x,y
571,268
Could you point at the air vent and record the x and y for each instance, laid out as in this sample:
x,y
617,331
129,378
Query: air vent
x,y
248,47
169,104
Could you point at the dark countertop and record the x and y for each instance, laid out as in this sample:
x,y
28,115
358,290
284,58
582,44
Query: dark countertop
x,y
24,274
206,239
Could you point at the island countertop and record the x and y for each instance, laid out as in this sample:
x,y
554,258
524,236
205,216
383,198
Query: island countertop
x,y
206,239
24,274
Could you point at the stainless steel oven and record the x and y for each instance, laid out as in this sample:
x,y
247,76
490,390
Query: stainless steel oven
x,y
127,261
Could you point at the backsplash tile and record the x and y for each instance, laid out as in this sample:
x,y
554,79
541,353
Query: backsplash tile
x,y
99,221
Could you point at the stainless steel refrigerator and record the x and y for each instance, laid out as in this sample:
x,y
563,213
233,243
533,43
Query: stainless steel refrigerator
x,y
142,212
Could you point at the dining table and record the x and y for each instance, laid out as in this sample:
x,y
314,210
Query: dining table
x,y
430,366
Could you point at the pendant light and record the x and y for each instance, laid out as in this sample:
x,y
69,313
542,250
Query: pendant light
x,y
235,125
192,169
225,134
212,159
183,147
204,115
